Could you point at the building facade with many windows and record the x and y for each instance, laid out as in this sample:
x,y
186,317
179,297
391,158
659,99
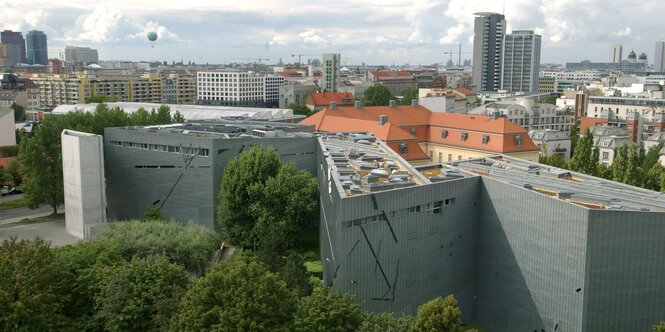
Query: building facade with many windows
x,y
489,30
520,61
234,88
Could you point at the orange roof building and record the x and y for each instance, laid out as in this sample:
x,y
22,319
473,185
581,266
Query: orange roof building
x,y
430,136
319,100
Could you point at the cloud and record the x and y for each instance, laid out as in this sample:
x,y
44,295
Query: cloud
x,y
100,25
163,34
311,37
622,33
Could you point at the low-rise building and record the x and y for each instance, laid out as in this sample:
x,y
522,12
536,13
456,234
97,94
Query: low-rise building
x,y
318,100
552,142
236,88
396,81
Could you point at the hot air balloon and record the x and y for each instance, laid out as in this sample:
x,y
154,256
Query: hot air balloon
x,y
152,36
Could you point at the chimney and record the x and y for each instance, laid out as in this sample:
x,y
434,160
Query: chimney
x,y
414,102
392,104
333,105
359,105
383,119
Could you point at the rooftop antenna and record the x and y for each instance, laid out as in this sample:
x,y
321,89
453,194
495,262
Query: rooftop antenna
x,y
504,8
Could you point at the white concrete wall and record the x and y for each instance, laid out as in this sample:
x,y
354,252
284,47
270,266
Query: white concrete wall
x,y
83,173
7,136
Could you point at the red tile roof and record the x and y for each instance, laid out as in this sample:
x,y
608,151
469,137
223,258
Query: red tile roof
x,y
399,74
587,122
414,151
428,127
465,91
324,98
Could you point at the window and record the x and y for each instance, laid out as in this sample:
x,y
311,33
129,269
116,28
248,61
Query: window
x,y
450,157
606,155
486,138
465,135
459,157
444,133
414,209
440,156
449,201
403,149
518,140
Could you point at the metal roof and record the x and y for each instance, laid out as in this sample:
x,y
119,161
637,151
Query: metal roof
x,y
192,112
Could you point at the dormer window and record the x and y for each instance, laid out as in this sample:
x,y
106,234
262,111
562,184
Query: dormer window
x,y
403,149
465,135
486,138
444,133
518,140
413,131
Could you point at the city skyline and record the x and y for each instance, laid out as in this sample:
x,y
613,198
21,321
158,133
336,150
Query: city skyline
x,y
362,31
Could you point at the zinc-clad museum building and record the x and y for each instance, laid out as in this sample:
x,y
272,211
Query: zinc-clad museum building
x,y
522,246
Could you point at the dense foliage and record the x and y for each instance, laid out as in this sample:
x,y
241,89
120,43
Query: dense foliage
x,y
327,310
140,295
264,202
408,95
385,322
438,315
190,246
240,295
377,95
41,154
29,284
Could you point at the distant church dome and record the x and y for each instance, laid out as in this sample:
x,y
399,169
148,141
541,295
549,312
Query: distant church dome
x,y
643,56
632,55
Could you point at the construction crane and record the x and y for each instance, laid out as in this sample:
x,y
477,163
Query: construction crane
x,y
346,60
459,54
300,56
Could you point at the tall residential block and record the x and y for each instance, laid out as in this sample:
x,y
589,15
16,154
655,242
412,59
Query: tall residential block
x,y
616,51
520,61
489,29
14,45
332,71
37,48
235,88
659,56
80,55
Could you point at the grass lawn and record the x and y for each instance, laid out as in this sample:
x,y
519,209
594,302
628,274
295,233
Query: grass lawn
x,y
314,267
12,204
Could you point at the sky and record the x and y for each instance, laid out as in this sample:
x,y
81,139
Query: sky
x,y
363,31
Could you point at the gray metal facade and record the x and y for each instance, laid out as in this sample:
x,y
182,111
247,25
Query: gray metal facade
x,y
185,184
514,258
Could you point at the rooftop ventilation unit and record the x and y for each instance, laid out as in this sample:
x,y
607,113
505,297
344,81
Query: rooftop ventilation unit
x,y
392,103
383,119
414,102
333,105
359,105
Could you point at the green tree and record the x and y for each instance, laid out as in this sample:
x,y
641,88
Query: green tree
x,y
408,95
377,95
583,159
101,99
191,246
4,177
652,178
292,270
238,295
438,315
80,264
619,163
13,170
660,327
549,100
651,156
633,172
153,213
241,176
178,118
140,295
19,112
41,163
300,109
574,136
29,277
385,322
283,207
327,310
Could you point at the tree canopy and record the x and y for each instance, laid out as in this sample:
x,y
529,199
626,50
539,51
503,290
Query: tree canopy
x,y
377,95
190,246
29,278
140,295
19,112
265,202
385,322
327,310
408,95
238,295
438,315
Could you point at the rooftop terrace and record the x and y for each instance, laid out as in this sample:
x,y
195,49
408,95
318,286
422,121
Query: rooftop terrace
x,y
363,164
231,128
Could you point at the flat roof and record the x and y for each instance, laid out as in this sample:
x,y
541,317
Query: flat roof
x,y
572,187
230,128
192,112
360,163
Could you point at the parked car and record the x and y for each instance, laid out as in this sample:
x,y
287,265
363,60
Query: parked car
x,y
4,190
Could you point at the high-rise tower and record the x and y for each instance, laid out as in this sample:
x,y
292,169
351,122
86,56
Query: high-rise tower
x,y
489,29
15,45
616,52
331,71
520,61
37,48
659,56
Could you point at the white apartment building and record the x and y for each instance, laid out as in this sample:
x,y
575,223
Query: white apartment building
x,y
617,108
572,75
233,88
659,56
520,61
